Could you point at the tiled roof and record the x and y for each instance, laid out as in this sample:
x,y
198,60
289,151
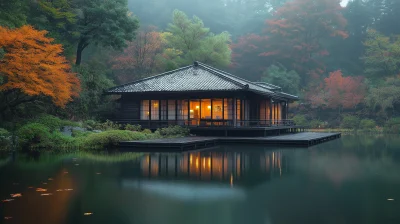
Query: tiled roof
x,y
268,86
196,77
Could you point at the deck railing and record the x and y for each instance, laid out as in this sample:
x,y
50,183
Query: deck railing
x,y
207,123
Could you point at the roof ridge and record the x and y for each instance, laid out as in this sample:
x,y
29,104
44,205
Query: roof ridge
x,y
273,88
229,74
222,75
268,84
148,78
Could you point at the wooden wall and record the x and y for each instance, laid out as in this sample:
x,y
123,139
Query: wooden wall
x,y
130,108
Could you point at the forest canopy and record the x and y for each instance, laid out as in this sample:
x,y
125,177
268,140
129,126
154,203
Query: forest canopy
x,y
341,57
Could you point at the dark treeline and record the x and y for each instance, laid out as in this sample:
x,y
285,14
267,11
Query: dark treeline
x,y
343,61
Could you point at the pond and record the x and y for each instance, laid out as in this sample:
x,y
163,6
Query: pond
x,y
355,179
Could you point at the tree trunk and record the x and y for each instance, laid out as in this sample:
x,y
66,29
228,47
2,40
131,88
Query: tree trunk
x,y
78,56
81,46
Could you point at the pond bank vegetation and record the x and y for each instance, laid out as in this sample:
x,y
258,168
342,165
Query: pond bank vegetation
x,y
48,132
350,124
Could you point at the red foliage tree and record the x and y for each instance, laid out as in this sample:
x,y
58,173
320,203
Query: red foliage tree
x,y
139,59
245,56
339,92
296,31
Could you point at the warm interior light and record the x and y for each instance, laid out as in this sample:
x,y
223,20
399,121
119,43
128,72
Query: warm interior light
x,y
191,111
155,104
209,107
197,107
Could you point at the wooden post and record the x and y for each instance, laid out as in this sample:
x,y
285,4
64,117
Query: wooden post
x,y
188,111
244,112
199,124
149,113
223,110
234,111
176,112
166,111
270,111
212,119
287,110
159,111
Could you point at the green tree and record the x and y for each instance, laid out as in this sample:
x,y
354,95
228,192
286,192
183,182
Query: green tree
x,y
382,55
106,23
385,100
13,13
94,78
280,76
58,17
197,42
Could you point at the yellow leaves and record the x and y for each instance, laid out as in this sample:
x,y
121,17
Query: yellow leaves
x,y
34,65
41,190
16,195
46,194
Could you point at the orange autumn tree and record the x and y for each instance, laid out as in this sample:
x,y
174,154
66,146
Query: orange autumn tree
x,y
339,92
34,66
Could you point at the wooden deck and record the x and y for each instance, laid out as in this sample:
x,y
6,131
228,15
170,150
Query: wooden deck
x,y
246,131
305,139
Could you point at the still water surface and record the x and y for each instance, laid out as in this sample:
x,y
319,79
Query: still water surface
x,y
355,179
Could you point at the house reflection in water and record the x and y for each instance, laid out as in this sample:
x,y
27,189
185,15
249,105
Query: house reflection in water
x,y
241,168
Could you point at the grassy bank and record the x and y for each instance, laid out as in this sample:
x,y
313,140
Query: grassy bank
x,y
349,131
51,133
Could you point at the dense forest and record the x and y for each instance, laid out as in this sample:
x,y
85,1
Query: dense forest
x,y
342,58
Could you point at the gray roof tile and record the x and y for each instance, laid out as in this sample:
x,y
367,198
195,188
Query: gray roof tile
x,y
197,77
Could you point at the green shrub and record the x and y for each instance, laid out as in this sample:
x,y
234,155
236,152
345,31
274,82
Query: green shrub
x,y
300,120
77,133
173,131
5,139
147,131
367,124
393,125
4,132
350,121
58,140
109,125
53,123
136,127
110,138
33,133
90,124
106,126
315,124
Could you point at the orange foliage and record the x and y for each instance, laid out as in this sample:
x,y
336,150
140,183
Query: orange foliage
x,y
35,66
339,92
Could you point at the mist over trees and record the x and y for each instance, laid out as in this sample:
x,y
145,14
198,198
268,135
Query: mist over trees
x,y
341,60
